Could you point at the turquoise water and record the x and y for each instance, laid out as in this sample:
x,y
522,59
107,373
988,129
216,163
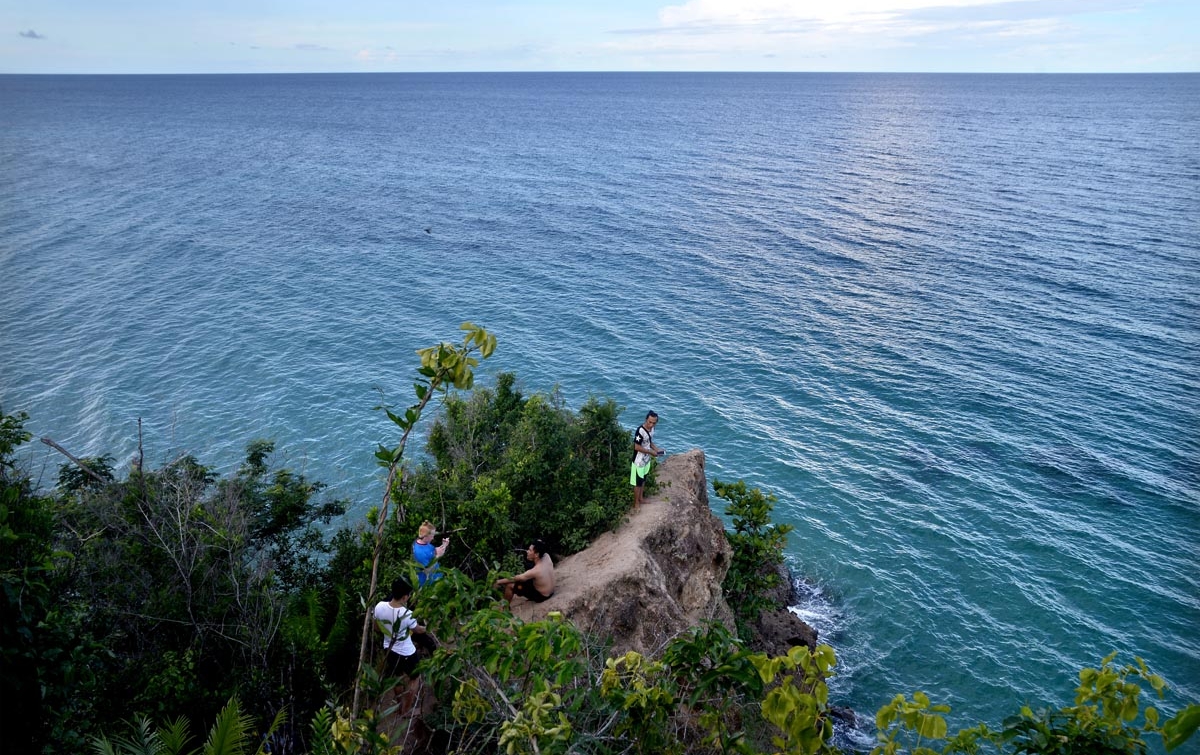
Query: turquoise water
x,y
950,321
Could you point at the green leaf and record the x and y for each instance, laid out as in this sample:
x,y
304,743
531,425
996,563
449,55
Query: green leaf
x,y
1181,726
931,727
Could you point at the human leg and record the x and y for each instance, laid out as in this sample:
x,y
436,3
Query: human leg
x,y
409,682
507,590
529,592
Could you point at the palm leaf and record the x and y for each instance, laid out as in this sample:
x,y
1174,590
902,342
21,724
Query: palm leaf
x,y
175,736
229,734
143,741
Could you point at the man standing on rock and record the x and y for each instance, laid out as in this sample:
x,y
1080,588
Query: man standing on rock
x,y
536,584
646,451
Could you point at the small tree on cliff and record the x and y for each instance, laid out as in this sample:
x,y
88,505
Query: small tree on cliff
x,y
442,366
757,551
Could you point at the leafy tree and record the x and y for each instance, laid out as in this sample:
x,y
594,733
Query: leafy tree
x,y
188,581
174,591
44,657
757,552
90,473
283,510
442,366
506,468
798,706
1103,721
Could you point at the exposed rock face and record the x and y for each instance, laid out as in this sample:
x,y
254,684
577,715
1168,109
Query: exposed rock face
x,y
778,631
656,576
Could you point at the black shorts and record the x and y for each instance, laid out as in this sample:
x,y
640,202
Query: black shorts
x,y
402,665
527,590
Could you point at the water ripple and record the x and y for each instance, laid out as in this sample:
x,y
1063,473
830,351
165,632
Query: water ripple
x,y
949,321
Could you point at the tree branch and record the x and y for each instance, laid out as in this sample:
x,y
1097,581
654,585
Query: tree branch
x,y
90,472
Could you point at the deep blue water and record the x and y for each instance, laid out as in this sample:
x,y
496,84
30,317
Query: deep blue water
x,y
950,321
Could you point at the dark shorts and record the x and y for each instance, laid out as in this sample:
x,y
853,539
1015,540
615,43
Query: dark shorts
x,y
527,590
402,665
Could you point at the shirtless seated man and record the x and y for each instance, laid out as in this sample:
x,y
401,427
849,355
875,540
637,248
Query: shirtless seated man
x,y
536,584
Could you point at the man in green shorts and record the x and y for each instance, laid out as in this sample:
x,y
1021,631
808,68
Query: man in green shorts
x,y
645,452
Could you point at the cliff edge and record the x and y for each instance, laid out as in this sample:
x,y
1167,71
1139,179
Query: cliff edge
x,y
656,575
659,573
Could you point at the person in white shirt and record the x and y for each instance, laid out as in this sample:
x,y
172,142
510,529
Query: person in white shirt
x,y
399,625
645,452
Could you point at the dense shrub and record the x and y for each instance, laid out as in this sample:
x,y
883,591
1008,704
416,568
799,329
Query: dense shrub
x,y
505,468
44,653
197,588
173,592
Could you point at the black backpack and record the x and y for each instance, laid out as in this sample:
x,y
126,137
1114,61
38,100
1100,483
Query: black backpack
x,y
633,458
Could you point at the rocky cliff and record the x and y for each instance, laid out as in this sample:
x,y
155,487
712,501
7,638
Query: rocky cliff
x,y
659,573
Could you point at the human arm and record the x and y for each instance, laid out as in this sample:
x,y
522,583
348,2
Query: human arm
x,y
524,576
410,624
441,549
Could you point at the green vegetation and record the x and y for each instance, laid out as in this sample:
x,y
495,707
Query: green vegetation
x,y
138,609
757,552
507,468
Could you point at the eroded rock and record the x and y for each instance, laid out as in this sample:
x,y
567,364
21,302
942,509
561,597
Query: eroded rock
x,y
656,576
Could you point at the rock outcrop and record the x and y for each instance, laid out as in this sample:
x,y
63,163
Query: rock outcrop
x,y
780,630
654,577
660,573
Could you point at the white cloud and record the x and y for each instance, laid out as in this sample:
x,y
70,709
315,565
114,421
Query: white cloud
x,y
822,12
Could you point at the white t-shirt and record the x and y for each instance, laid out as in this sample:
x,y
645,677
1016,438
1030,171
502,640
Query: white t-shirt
x,y
643,438
396,617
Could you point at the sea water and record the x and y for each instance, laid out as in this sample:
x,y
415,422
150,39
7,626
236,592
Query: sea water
x,y
949,321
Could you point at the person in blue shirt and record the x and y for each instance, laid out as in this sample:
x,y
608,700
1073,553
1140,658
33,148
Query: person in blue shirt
x,y
427,554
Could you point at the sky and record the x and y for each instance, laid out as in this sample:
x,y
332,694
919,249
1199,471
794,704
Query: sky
x,y
297,36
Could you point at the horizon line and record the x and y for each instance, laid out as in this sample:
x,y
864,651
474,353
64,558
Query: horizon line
x,y
599,72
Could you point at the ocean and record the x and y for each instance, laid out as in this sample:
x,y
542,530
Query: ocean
x,y
950,321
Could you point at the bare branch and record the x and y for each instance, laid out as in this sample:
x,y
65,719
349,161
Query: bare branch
x,y
90,472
